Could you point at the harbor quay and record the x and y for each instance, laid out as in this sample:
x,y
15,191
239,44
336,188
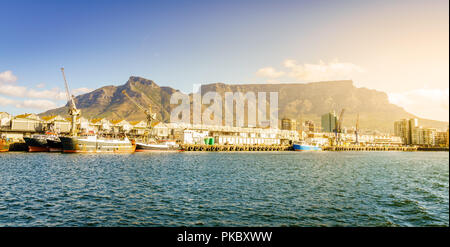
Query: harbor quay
x,y
212,138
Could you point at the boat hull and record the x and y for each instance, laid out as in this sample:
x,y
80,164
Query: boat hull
x,y
36,144
80,145
54,145
4,147
143,147
300,147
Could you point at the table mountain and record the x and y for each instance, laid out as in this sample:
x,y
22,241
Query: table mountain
x,y
306,101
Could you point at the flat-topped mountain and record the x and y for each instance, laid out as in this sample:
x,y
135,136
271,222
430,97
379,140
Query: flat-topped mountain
x,y
306,101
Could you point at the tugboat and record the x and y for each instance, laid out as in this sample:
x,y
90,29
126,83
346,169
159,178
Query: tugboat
x,y
4,145
302,146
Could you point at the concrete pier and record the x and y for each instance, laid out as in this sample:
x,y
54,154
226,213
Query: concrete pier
x,y
260,148
234,148
359,148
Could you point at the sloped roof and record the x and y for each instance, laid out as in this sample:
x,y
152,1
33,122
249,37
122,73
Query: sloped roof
x,y
48,118
116,121
156,123
135,122
96,120
23,115
70,119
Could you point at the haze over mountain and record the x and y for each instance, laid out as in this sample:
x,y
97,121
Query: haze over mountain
x,y
298,101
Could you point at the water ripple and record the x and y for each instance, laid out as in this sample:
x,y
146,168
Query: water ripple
x,y
219,189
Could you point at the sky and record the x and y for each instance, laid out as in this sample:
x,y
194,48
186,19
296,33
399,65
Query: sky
x,y
398,47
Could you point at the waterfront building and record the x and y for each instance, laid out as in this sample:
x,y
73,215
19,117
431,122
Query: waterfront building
x,y
412,134
441,138
100,125
139,127
120,126
161,130
195,133
83,124
288,124
27,123
404,129
5,120
310,126
423,136
56,123
329,122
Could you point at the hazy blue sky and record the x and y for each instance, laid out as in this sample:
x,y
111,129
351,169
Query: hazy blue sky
x,y
400,47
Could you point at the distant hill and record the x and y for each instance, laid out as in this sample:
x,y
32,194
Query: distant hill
x,y
297,101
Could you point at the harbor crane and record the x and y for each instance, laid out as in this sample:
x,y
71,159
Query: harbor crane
x,y
357,129
150,116
73,111
338,128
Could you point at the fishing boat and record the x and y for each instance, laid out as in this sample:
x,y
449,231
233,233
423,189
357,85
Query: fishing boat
x,y
164,146
91,143
40,143
54,145
148,143
302,146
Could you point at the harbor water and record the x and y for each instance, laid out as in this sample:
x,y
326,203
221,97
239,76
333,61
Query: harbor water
x,y
225,189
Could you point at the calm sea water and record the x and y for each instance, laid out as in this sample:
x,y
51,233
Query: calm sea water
x,y
225,189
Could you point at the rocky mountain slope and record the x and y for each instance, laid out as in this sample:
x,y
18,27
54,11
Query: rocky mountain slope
x,y
298,101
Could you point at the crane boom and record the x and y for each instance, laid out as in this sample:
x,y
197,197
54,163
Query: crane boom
x,y
73,111
357,121
338,129
69,96
357,129
148,112
341,118
134,101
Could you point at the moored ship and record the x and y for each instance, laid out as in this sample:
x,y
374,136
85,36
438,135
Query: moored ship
x,y
89,143
54,145
149,144
40,143
166,146
93,144
37,143
302,146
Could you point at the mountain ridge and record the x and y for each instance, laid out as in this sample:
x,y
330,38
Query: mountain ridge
x,y
306,101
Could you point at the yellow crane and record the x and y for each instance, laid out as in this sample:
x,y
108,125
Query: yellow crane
x,y
73,111
150,116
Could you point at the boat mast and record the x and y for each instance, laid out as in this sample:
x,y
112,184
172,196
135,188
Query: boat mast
x,y
73,111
